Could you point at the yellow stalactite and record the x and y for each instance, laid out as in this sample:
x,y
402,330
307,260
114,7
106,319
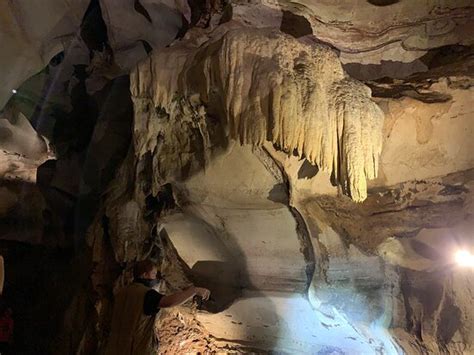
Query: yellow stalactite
x,y
271,87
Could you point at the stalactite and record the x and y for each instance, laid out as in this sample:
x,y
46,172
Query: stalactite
x,y
267,86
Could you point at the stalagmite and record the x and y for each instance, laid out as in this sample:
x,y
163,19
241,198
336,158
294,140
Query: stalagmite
x,y
264,86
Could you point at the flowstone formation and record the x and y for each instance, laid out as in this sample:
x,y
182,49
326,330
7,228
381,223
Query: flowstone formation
x,y
310,162
256,86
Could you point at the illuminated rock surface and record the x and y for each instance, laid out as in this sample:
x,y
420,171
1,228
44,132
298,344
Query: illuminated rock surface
x,y
309,162
268,87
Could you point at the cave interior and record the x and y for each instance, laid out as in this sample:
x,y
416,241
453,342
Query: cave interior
x,y
310,162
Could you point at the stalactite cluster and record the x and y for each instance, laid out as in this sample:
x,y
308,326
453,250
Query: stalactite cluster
x,y
266,86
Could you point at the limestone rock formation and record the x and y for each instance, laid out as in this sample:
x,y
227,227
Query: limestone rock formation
x,y
31,34
263,86
22,150
375,38
149,25
241,154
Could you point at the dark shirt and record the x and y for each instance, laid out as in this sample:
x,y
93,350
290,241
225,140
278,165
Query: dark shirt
x,y
151,303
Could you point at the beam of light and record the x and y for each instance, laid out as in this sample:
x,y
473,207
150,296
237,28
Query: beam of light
x,y
379,330
464,258
339,332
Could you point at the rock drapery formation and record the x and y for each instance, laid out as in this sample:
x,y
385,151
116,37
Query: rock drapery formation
x,y
31,43
22,150
226,156
396,37
264,86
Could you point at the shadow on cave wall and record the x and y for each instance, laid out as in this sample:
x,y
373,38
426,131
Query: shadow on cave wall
x,y
227,281
427,66
229,278
72,184
426,298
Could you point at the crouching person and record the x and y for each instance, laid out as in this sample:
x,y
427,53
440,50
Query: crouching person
x,y
135,309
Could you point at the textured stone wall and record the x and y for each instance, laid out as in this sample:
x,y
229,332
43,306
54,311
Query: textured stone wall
x,y
227,182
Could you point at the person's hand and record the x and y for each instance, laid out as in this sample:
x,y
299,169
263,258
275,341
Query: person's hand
x,y
204,293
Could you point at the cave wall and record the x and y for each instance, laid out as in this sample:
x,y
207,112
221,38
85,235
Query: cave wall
x,y
355,281
200,183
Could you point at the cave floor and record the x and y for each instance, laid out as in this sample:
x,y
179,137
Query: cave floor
x,y
284,322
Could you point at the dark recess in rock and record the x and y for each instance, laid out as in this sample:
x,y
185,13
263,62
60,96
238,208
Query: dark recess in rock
x,y
295,25
141,10
93,137
80,141
147,46
450,321
453,62
93,28
382,2
57,59
445,55
437,62
386,68
72,131
227,14
279,194
453,190
184,28
58,200
202,11
307,170
396,91
108,146
156,205
306,246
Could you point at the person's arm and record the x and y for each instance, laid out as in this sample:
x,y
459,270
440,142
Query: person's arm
x,y
181,297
